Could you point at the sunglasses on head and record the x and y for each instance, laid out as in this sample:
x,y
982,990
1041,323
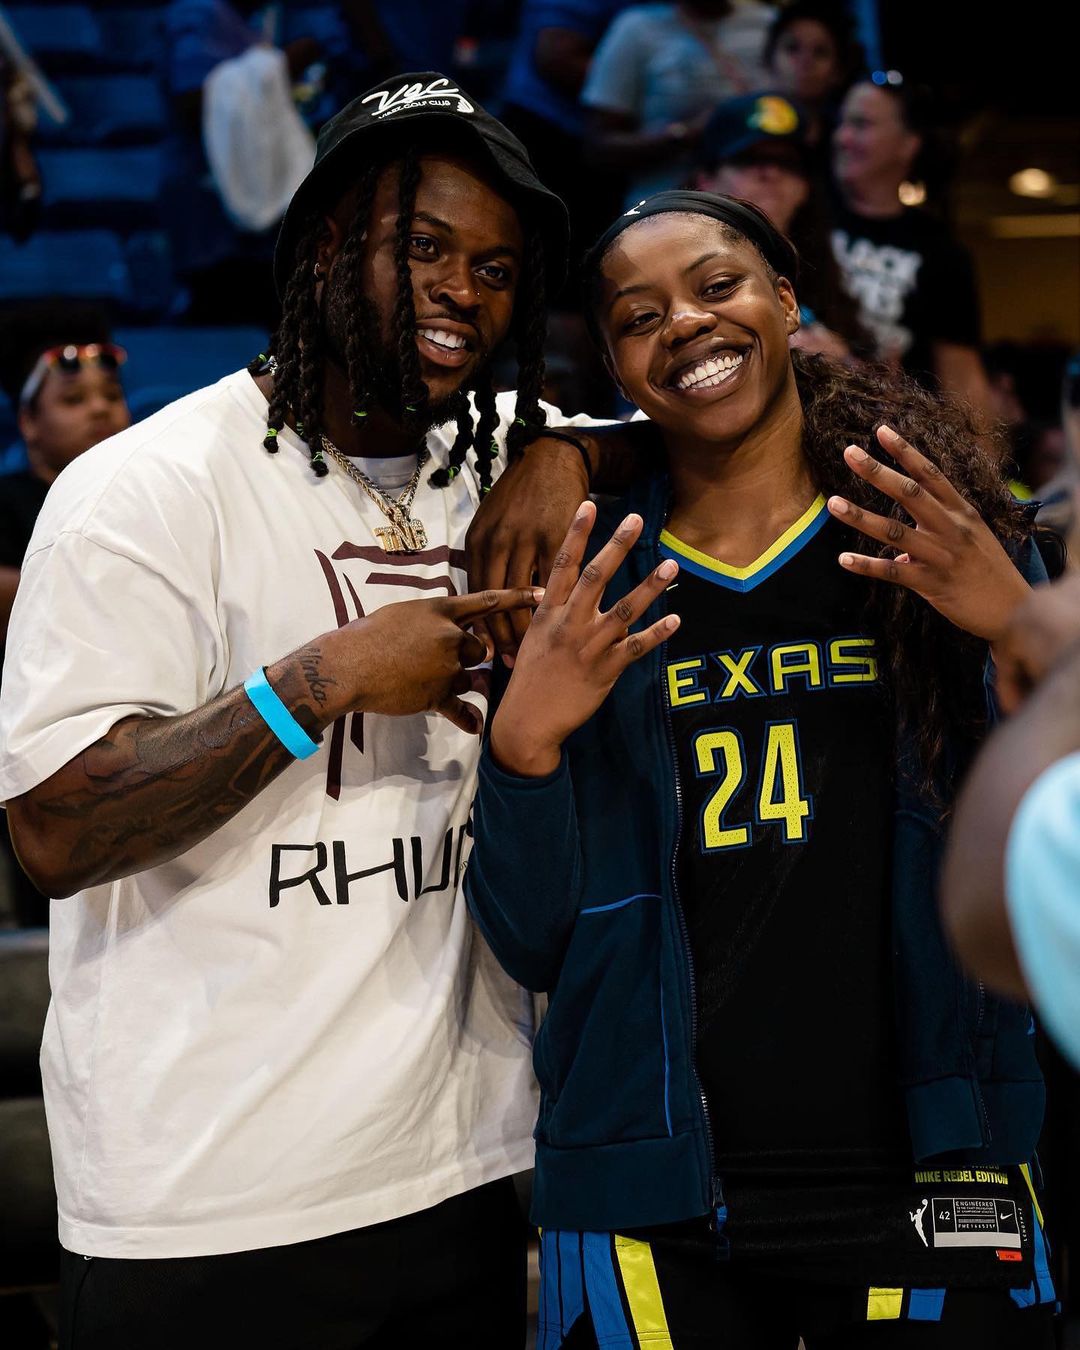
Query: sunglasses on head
x,y
69,360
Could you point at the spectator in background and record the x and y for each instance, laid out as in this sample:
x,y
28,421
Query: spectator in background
x,y
1011,887
226,269
811,55
59,367
541,103
406,35
913,282
657,76
547,71
1061,495
20,179
756,148
1026,381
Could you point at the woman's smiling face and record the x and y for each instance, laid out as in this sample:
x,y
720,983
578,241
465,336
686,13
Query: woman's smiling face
x,y
696,325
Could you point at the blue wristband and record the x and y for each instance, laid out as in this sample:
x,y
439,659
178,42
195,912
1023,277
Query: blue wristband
x,y
277,717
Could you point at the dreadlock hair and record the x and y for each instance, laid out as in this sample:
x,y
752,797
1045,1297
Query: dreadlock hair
x,y
530,325
934,670
296,351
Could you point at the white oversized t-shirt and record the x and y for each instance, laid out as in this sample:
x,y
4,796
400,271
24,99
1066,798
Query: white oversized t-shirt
x,y
292,1029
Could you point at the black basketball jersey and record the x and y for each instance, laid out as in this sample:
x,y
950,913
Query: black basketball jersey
x,y
784,739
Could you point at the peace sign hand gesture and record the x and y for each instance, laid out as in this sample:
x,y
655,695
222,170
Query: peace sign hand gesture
x,y
574,652
950,556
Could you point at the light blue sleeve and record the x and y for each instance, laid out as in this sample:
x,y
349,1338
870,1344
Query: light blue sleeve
x,y
1042,895
616,74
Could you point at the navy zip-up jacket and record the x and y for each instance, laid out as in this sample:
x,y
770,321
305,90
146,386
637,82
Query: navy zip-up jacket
x,y
572,882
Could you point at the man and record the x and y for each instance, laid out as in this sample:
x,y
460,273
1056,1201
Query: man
x,y
286,1086
548,68
656,76
225,268
913,282
1012,877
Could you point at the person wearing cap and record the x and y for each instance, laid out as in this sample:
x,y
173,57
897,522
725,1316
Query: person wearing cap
x,y
772,1107
287,1086
756,148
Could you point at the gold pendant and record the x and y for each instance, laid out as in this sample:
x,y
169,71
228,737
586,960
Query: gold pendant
x,y
404,534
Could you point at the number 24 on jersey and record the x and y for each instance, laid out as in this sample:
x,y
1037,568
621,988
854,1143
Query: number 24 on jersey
x,y
781,794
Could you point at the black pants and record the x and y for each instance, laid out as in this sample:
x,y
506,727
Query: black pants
x,y
453,1276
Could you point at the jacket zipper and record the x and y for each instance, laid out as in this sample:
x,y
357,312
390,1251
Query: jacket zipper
x,y
718,1214
987,1132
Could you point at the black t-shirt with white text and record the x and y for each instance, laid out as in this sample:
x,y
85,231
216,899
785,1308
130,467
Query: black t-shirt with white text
x,y
913,283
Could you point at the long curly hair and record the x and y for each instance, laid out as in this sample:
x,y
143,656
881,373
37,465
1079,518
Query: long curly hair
x,y
934,670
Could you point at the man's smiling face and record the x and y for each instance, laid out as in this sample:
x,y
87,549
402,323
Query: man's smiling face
x,y
465,258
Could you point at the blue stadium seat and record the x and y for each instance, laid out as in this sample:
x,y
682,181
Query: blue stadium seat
x,y
323,22
149,261
87,264
107,109
59,36
166,363
132,38
9,432
117,188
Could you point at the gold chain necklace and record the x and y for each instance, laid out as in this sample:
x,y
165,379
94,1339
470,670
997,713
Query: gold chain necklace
x,y
404,533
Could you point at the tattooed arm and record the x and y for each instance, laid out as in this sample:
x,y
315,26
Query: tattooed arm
x,y
153,787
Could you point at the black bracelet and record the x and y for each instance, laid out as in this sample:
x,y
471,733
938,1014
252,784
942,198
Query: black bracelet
x,y
570,440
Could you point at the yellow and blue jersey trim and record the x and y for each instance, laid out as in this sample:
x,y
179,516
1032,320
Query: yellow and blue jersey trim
x,y
794,538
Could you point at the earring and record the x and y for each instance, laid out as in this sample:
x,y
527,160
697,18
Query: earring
x,y
319,273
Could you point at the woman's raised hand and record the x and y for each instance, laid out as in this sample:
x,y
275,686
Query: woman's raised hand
x,y
949,556
574,651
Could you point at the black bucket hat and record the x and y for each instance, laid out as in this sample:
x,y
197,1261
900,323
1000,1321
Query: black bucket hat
x,y
404,108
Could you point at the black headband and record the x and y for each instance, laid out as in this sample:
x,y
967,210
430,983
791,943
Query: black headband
x,y
751,223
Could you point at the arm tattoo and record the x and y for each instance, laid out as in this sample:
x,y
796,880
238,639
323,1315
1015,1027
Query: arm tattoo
x,y
153,787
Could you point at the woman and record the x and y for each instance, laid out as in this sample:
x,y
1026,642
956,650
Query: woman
x,y
811,55
771,1107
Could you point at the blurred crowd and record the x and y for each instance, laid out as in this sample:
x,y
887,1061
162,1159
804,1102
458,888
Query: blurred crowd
x,y
614,100
775,104
787,106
